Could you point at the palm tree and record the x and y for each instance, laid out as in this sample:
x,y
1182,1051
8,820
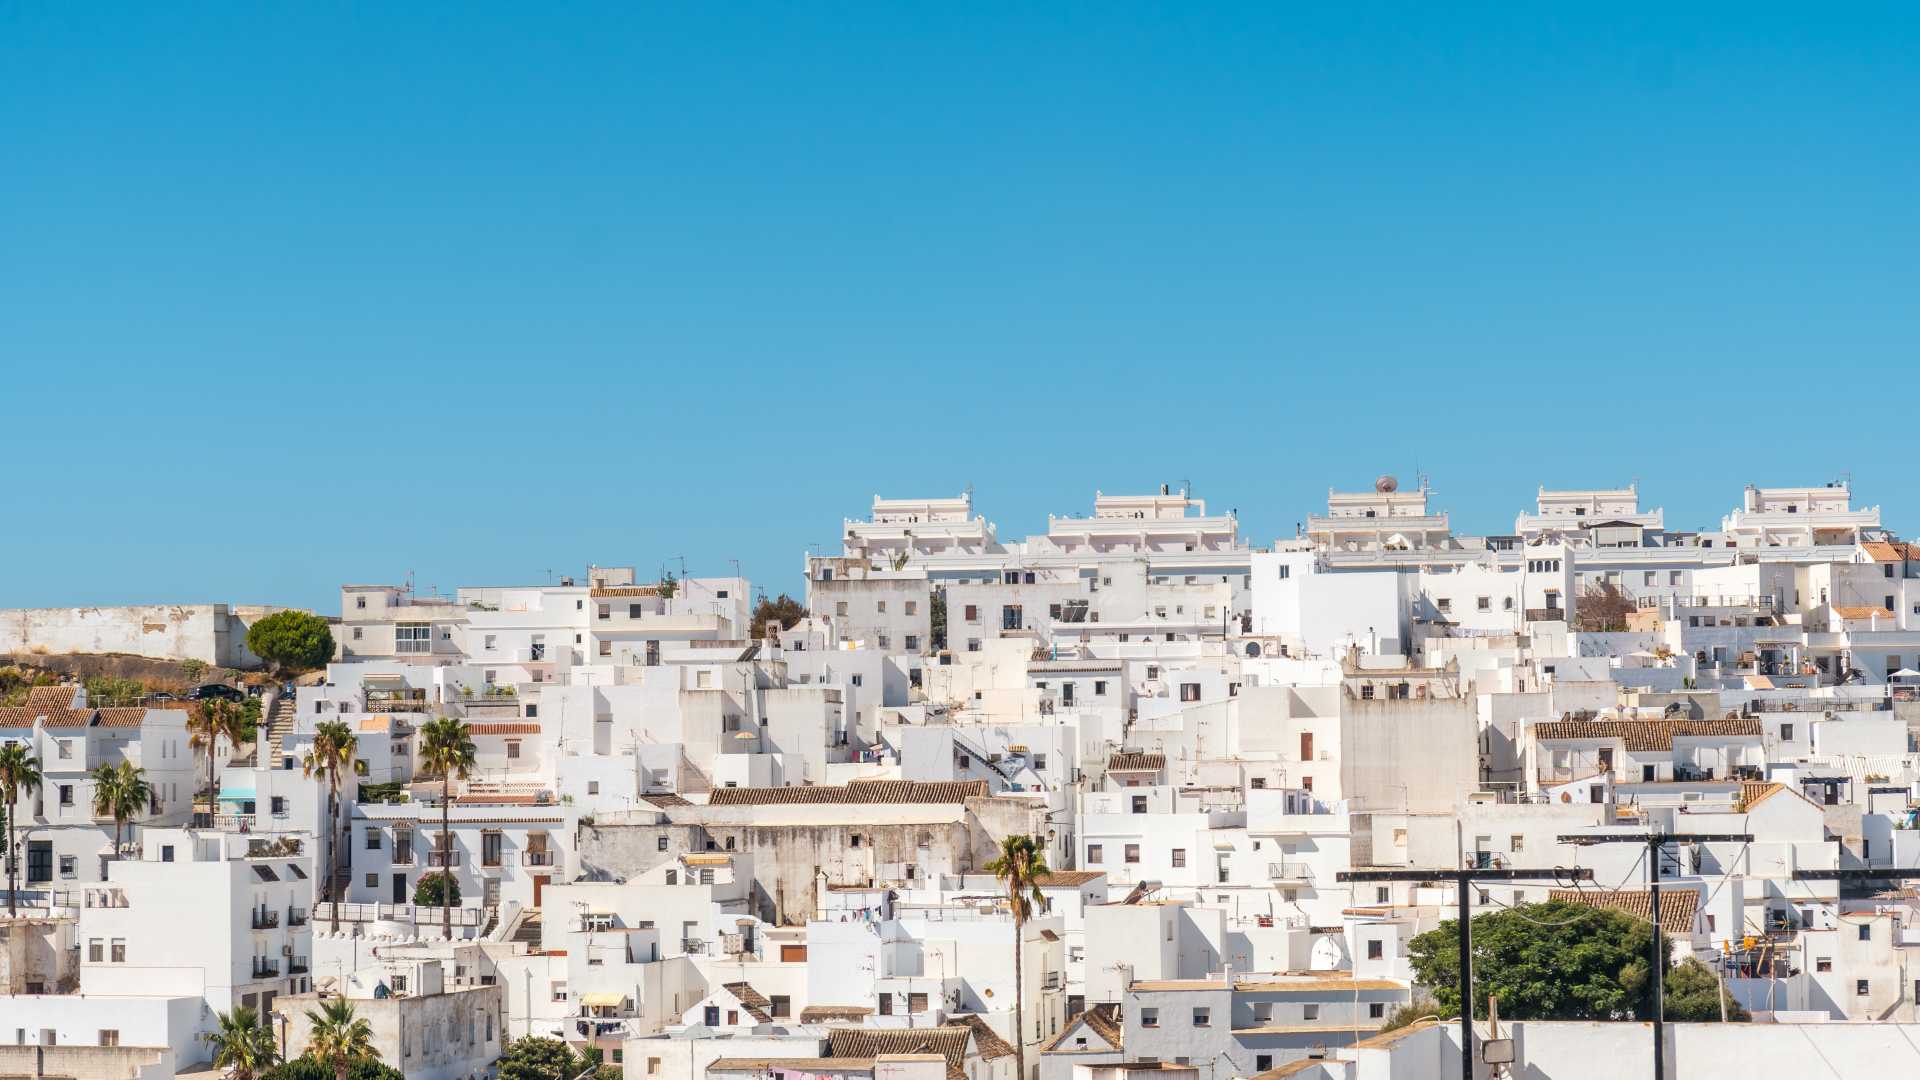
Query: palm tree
x,y
330,756
446,747
19,775
121,793
1021,865
213,720
243,1045
338,1037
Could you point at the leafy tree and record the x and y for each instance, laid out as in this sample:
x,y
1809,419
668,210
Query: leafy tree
x,y
785,611
1552,961
433,888
291,640
937,619
307,1067
207,723
669,585
446,747
535,1058
19,775
1603,607
1020,867
1422,1007
1694,992
338,1037
122,793
109,690
329,757
193,670
242,1045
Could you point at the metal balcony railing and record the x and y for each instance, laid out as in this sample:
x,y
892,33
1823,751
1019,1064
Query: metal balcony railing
x,y
443,858
264,968
1289,871
537,858
265,920
296,916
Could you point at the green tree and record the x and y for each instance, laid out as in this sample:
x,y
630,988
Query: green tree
x,y
19,775
207,723
669,585
1694,992
338,1037
446,747
291,640
535,1058
1552,961
122,793
307,1067
785,612
437,888
1422,1007
937,618
329,757
1020,867
242,1045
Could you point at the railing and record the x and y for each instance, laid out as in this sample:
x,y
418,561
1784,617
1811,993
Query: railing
x,y
1289,871
296,917
443,858
406,913
264,968
298,965
1050,981
265,920
537,858
694,945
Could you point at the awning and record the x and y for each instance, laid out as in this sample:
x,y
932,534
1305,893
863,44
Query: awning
x,y
236,795
612,999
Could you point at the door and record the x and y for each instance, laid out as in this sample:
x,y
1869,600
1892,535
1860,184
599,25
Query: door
x,y
399,888
793,954
39,862
539,886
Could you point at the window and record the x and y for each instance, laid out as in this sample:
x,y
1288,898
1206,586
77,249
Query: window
x,y
881,607
840,608
1309,1012
917,1002
1376,949
1133,853
913,643
96,951
913,607
606,648
1306,746
66,794
1010,617
1203,1018
1099,688
1139,804
1445,604
1150,1018
782,1005
973,613
1179,856
1516,843
1262,1062
1189,691
513,749
119,950
1376,1010
1483,603
109,1037
1786,732
69,866
373,839
660,844
1383,894
1860,987
1095,856
1866,932
1823,963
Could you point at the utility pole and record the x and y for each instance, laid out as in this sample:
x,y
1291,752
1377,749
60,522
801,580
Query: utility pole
x,y
1462,879
1654,842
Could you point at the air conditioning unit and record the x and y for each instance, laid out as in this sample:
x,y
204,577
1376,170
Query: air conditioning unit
x,y
286,950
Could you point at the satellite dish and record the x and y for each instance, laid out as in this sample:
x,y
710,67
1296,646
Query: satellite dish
x,y
1386,485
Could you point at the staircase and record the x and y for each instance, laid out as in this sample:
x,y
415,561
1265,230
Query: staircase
x,y
279,726
527,930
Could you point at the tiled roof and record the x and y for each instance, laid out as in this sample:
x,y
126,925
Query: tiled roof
x,y
1676,905
626,590
1863,614
857,792
1755,792
24,716
1132,762
1646,735
1881,551
45,698
987,1040
664,801
752,1000
1103,1020
1067,879
815,1014
505,729
376,723
949,1042
130,717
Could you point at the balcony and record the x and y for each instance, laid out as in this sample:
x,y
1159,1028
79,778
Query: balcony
x,y
265,920
694,945
439,859
296,917
298,965
264,968
539,858
1289,871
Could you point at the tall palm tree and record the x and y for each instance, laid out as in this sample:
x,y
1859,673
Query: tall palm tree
x,y
446,747
209,722
122,793
1020,867
243,1045
19,775
330,756
338,1037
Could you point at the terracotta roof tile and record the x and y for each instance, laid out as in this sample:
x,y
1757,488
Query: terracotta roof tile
x,y
752,1000
987,1040
1646,735
1881,551
131,717
1103,1020
1067,879
505,729
1677,906
664,801
856,792
1136,762
626,590
949,1042
1865,614
815,1014
44,698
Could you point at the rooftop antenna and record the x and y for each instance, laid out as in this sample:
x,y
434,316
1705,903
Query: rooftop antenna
x,y
549,575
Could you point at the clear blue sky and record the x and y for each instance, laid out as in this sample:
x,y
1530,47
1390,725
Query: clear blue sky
x,y
292,295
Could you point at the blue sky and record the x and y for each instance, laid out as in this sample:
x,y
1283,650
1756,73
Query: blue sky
x,y
293,295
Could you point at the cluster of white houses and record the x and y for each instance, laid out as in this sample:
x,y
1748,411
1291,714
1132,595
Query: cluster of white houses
x,y
703,846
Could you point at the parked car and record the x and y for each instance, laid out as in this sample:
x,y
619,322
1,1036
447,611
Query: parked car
x,y
216,690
